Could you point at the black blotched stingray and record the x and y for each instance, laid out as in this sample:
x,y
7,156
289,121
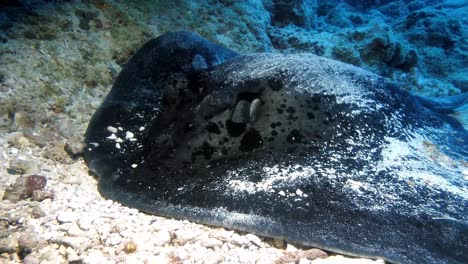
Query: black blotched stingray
x,y
296,147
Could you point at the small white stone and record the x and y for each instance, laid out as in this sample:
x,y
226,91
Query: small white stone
x,y
95,256
222,234
74,242
120,128
291,248
118,140
208,242
112,137
134,165
133,139
129,135
74,231
84,223
14,151
66,217
282,193
182,253
114,239
184,236
299,192
112,129
239,240
117,145
142,128
254,239
213,258
161,238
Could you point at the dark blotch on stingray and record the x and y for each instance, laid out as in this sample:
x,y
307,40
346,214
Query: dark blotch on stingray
x,y
349,168
290,110
275,84
310,115
235,129
251,141
294,137
206,150
213,128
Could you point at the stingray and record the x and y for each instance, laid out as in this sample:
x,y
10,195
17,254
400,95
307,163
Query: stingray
x,y
295,147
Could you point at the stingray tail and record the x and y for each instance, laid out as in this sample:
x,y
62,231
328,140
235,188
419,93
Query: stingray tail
x,y
461,114
444,105
456,106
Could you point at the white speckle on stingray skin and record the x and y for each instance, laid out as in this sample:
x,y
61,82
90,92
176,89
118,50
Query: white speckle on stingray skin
x,y
128,135
112,129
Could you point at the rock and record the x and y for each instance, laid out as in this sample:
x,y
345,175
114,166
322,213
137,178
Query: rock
x,y
162,238
312,254
17,139
41,137
8,245
74,147
211,257
291,248
11,138
347,54
57,153
113,67
278,243
162,258
432,27
50,256
239,240
221,234
74,231
395,9
184,236
31,259
288,257
22,166
208,242
22,120
85,223
24,187
255,240
66,217
28,243
74,242
72,255
301,13
114,239
95,256
130,247
41,195
460,80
